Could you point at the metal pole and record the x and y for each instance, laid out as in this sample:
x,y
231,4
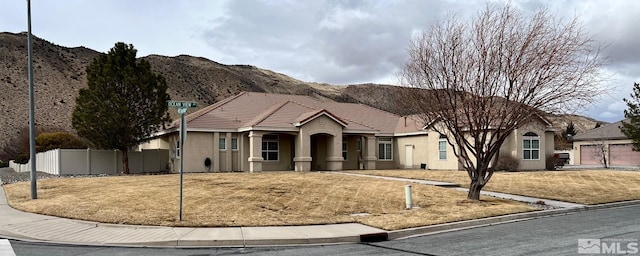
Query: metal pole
x,y
182,138
32,129
407,195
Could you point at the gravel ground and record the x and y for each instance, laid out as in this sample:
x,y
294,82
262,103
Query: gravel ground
x,y
8,175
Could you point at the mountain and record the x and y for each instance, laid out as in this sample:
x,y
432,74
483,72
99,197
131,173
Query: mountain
x,y
581,123
59,74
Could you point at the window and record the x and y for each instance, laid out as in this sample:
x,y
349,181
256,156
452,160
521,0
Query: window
x,y
344,148
270,147
385,148
222,143
442,147
531,146
359,145
177,151
234,144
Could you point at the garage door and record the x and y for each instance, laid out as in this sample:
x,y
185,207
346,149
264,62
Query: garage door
x,y
623,154
590,154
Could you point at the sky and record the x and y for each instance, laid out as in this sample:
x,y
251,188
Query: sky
x,y
334,42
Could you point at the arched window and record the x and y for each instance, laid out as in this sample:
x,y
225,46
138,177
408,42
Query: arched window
x,y
531,146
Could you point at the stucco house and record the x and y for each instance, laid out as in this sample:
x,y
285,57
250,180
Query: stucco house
x,y
253,132
605,143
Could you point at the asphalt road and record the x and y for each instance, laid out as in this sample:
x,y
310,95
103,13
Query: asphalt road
x,y
554,235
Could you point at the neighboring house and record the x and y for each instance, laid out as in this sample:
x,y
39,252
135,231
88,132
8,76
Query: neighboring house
x,y
268,132
604,143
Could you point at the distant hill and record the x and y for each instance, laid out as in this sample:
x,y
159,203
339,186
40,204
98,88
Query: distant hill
x,y
581,123
59,73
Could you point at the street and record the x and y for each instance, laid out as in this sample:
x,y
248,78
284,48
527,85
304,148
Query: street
x,y
555,235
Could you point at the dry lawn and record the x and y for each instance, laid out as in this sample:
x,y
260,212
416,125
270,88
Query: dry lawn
x,y
584,187
258,199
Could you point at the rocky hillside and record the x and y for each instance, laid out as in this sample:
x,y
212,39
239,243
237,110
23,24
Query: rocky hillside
x,y
59,74
580,123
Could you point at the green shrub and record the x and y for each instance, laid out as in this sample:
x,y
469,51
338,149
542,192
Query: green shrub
x,y
507,163
21,159
53,140
4,164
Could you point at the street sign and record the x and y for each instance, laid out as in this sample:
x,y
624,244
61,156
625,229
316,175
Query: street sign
x,y
182,109
182,104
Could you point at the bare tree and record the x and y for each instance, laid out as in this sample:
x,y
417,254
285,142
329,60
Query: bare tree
x,y
486,77
601,152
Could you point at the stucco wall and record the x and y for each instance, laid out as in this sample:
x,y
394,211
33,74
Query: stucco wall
x,y
332,154
197,148
351,163
244,152
546,142
157,143
284,154
388,164
426,150
200,145
512,146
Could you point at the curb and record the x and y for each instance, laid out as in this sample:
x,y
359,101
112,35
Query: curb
x,y
468,224
362,238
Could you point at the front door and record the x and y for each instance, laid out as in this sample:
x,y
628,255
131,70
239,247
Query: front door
x,y
408,156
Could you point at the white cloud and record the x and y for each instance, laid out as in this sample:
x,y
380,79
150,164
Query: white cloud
x,y
608,115
329,41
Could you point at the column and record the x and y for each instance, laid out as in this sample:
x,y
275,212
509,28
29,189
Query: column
x,y
303,153
370,157
334,154
241,158
228,161
216,152
255,151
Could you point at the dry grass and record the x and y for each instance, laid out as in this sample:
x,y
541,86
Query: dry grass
x,y
584,187
258,199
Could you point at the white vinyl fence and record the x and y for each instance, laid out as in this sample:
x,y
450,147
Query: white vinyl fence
x,y
92,161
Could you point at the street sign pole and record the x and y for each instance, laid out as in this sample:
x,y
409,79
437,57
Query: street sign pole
x,y
32,125
182,109
183,129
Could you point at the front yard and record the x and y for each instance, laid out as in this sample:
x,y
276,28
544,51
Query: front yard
x,y
253,199
584,187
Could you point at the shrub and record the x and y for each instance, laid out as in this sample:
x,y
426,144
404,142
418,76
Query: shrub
x,y
53,140
21,158
508,163
4,164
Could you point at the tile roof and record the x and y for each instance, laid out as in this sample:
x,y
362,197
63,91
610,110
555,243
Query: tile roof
x,y
306,117
264,111
609,131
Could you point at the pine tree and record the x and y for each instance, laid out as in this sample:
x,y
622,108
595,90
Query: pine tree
x,y
124,102
571,129
631,127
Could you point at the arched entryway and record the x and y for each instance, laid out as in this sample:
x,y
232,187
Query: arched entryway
x,y
320,151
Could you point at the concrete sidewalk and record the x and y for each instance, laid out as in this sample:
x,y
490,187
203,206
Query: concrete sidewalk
x,y
28,226
20,225
525,199
425,182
